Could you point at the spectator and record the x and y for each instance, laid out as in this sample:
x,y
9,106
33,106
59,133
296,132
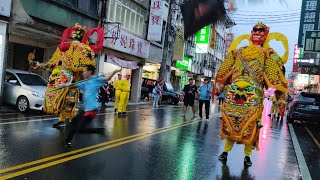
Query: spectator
x,y
205,96
156,95
189,93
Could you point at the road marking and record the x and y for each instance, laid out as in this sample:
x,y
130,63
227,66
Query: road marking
x,y
16,118
47,119
312,136
81,150
305,174
46,165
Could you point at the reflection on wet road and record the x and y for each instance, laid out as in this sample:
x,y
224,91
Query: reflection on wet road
x,y
147,144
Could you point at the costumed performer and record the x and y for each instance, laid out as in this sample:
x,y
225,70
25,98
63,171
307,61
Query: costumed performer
x,y
244,74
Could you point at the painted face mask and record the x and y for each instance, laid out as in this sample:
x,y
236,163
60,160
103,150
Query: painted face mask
x,y
259,34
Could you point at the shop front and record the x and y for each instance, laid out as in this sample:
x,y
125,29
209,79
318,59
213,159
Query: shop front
x,y
127,51
151,71
180,78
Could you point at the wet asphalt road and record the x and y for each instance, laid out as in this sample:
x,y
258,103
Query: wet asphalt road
x,y
147,144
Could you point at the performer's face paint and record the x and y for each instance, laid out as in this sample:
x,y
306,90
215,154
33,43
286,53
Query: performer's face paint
x,y
259,34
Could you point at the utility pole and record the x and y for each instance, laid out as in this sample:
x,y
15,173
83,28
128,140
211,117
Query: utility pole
x,y
165,54
103,14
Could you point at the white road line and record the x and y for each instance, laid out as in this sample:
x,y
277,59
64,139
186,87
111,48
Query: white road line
x,y
305,174
49,119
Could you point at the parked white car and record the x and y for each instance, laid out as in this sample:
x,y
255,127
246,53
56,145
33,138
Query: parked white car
x,y
24,89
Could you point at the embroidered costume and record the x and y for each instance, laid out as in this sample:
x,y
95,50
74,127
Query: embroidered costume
x,y
67,63
244,74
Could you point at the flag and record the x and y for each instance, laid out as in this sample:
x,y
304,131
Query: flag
x,y
199,13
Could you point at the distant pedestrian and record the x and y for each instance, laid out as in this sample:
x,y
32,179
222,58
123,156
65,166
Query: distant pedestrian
x,y
156,95
151,87
84,117
205,96
189,93
221,98
104,94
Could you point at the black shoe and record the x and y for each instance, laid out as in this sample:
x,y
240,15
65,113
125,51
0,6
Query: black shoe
x,y
56,125
247,161
223,156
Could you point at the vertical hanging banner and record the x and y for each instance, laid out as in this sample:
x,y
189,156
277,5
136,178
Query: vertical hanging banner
x,y
296,55
155,20
178,50
213,36
202,39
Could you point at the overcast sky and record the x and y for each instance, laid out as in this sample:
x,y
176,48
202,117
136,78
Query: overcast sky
x,y
280,17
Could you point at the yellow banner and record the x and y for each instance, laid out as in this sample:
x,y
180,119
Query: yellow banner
x,y
178,50
213,36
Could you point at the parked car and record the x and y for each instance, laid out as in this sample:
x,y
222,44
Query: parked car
x,y
305,108
24,89
169,95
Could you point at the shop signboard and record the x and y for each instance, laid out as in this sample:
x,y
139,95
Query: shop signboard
x,y
315,70
5,7
309,19
312,41
184,64
183,81
303,79
156,20
126,42
202,39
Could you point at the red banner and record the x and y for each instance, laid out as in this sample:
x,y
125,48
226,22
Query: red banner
x,y
295,57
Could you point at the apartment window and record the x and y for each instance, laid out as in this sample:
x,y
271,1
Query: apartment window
x,y
129,14
88,6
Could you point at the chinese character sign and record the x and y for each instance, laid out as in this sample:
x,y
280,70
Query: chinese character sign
x,y
203,35
312,41
155,20
309,20
310,70
5,7
127,43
